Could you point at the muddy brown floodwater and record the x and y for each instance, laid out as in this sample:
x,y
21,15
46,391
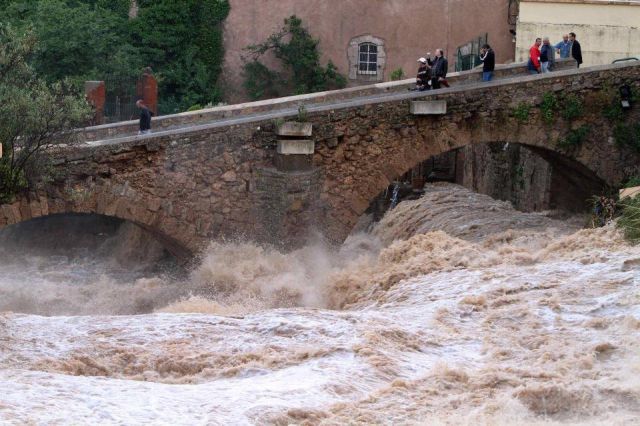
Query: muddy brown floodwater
x,y
454,309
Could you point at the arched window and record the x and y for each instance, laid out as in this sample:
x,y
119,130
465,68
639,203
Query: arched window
x,y
368,58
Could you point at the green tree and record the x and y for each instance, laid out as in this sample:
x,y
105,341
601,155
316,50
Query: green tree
x,y
182,42
34,116
77,39
95,40
298,51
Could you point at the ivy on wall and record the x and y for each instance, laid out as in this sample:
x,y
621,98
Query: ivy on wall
x,y
299,54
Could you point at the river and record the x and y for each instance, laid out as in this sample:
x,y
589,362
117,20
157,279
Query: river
x,y
454,309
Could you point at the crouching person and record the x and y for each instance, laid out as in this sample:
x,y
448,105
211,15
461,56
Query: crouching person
x,y
423,79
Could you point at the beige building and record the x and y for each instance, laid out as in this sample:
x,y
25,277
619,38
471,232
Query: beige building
x,y
606,29
368,39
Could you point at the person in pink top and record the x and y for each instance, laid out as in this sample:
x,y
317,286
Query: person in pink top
x,y
534,57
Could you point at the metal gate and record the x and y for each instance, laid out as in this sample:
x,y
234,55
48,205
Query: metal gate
x,y
468,55
120,100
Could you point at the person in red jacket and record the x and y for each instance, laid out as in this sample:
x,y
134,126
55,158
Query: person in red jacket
x,y
534,57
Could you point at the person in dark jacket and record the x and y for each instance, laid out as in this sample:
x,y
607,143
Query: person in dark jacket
x,y
145,117
488,58
547,56
439,68
423,79
576,50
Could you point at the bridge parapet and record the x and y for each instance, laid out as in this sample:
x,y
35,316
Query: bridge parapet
x,y
191,118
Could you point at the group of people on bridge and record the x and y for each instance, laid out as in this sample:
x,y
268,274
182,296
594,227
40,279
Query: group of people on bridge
x,y
542,54
432,73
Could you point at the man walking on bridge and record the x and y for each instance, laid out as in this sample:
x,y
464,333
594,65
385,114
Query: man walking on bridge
x,y
145,118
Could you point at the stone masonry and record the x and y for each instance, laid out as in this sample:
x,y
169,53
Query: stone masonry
x,y
190,186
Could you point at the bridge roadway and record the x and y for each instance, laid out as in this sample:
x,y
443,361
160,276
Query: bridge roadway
x,y
287,107
208,174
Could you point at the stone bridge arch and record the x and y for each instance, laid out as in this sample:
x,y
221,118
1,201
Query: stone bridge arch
x,y
91,198
576,176
371,146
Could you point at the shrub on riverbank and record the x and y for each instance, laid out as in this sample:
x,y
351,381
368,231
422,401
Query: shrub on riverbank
x,y
629,222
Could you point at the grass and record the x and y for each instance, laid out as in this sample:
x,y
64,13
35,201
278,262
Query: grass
x,y
633,181
629,222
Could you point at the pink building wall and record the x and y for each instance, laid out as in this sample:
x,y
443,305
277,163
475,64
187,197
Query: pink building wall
x,y
408,28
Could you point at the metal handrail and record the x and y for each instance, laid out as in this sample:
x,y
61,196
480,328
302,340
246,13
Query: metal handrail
x,y
631,58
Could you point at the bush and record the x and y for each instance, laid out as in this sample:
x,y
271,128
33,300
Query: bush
x,y
549,107
633,181
521,112
627,136
572,108
629,222
34,116
303,114
397,74
298,51
613,111
260,82
575,137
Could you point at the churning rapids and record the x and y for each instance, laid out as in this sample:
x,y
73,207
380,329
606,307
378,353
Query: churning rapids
x,y
454,309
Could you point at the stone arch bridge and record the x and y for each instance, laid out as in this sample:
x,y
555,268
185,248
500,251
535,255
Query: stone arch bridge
x,y
209,174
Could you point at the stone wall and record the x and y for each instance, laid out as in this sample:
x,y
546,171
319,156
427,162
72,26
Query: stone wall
x,y
192,185
509,172
409,29
288,205
606,30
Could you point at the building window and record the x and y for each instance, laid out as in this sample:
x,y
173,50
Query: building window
x,y
368,60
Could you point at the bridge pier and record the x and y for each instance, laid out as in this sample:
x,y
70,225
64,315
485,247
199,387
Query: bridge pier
x,y
287,206
287,196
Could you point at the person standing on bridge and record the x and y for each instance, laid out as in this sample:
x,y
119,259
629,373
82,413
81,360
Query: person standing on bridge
x,y
439,68
145,118
564,47
534,57
576,50
547,55
488,58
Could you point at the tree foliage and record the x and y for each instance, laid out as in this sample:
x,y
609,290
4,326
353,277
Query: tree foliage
x,y
34,115
96,40
182,42
299,54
